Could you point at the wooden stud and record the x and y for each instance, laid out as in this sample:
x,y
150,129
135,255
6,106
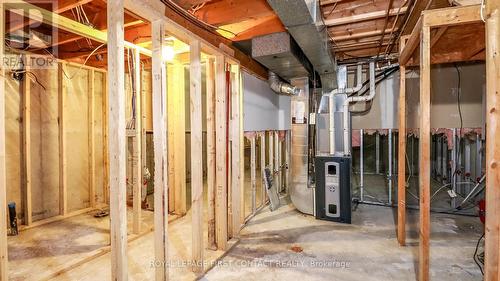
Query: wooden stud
x,y
144,115
176,103
242,146
271,154
276,171
287,160
402,155
424,162
4,270
63,192
263,165
92,175
117,140
160,151
26,98
211,152
137,147
105,140
492,225
196,154
236,187
220,148
252,173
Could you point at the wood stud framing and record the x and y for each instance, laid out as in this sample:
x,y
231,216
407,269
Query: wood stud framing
x,y
196,155
115,148
91,111
425,152
220,148
262,136
236,174
137,146
252,173
116,140
492,225
211,152
63,193
402,154
26,98
440,19
4,271
160,150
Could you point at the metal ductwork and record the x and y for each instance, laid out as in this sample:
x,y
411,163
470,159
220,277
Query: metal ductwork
x,y
280,87
281,55
302,18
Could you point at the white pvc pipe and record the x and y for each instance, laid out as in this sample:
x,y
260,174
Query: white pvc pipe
x,y
357,99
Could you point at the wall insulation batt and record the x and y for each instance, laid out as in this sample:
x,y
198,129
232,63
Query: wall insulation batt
x,y
83,98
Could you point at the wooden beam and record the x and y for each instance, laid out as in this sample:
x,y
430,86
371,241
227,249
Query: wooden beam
x,y
452,16
364,17
220,148
210,83
185,30
402,153
26,98
63,192
236,159
411,44
68,25
228,12
137,145
437,35
196,154
59,7
91,112
160,151
357,35
4,269
117,141
424,161
272,25
209,37
492,225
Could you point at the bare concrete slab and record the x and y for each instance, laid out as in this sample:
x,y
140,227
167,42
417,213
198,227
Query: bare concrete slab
x,y
287,245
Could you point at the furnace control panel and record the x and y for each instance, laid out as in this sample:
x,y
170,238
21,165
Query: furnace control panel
x,y
332,190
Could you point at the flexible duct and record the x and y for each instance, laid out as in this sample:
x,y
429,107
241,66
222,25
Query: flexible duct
x,y
331,115
349,100
280,87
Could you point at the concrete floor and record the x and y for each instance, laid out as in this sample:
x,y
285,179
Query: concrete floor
x,y
287,245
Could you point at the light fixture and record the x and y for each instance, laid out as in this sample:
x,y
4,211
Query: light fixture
x,y
168,53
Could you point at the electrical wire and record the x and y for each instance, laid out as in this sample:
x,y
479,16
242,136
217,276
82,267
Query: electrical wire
x,y
84,63
188,16
477,257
